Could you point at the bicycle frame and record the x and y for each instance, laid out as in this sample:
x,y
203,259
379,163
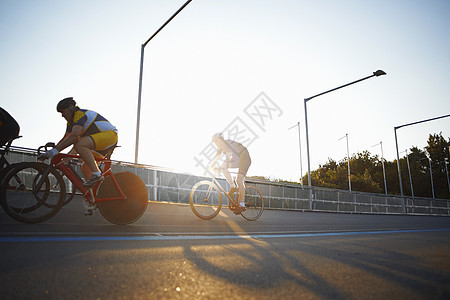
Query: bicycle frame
x,y
4,163
217,183
73,177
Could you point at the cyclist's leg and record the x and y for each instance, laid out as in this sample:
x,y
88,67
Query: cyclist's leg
x,y
228,177
244,164
84,168
84,148
241,184
89,146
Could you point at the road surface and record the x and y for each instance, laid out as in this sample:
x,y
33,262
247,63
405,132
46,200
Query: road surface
x,y
171,254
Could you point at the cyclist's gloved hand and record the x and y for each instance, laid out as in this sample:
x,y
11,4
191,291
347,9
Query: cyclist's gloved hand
x,y
48,154
215,169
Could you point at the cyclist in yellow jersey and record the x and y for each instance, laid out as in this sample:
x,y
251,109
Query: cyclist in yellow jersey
x,y
89,132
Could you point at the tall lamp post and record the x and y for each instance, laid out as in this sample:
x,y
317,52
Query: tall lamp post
x,y
138,121
376,73
446,170
348,164
409,172
398,157
431,176
382,164
300,147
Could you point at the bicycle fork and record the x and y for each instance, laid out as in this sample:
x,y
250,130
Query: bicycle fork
x,y
208,194
37,186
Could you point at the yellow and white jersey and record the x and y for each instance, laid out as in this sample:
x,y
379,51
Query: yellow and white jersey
x,y
91,122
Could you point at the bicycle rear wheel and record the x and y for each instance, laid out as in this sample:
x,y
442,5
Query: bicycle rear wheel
x,y
254,204
24,201
123,211
205,200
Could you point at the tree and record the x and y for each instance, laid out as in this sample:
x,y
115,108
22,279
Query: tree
x,y
438,151
335,175
367,171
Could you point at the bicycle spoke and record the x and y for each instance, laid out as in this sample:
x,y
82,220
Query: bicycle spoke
x,y
205,200
24,201
254,204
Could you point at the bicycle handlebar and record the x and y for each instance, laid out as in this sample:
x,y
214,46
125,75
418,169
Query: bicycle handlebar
x,y
46,146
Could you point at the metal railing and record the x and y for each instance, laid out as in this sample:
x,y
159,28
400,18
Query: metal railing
x,y
171,186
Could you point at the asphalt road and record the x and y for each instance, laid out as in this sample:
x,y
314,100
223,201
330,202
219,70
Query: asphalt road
x,y
171,254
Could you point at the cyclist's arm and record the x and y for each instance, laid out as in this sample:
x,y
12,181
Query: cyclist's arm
x,y
64,137
215,159
70,138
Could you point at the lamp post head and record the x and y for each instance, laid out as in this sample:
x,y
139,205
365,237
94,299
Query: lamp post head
x,y
379,73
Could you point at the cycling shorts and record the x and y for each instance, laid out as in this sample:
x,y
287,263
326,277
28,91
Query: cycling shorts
x,y
104,142
243,162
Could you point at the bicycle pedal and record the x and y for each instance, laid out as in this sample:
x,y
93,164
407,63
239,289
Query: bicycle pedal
x,y
239,210
89,212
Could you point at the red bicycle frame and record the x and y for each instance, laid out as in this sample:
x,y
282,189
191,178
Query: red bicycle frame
x,y
57,161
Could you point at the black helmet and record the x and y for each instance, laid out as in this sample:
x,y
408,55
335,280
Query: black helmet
x,y
65,103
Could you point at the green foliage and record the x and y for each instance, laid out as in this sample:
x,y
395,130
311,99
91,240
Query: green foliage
x,y
367,171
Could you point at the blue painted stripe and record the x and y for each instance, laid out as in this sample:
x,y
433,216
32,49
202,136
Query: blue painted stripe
x,y
201,237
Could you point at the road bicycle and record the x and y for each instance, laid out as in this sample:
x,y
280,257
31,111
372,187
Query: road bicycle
x,y
206,200
16,182
121,197
5,166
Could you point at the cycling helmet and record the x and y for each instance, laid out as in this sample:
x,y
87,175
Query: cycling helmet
x,y
65,103
217,136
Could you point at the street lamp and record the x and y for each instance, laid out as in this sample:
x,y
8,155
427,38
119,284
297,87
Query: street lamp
x,y
376,73
300,147
409,172
348,163
431,176
382,164
138,120
398,158
446,170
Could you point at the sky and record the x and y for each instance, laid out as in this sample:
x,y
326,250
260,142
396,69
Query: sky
x,y
242,67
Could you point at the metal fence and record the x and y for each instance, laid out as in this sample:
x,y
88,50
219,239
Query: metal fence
x,y
170,186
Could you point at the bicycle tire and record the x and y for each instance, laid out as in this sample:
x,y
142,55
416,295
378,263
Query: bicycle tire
x,y
26,203
70,195
3,174
16,184
254,204
205,200
128,210
5,171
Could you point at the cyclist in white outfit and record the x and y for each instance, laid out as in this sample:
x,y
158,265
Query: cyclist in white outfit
x,y
237,157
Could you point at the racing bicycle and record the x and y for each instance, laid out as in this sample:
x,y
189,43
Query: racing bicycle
x,y
206,200
121,197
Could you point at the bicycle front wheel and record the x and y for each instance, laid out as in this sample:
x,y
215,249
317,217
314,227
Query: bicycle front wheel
x,y
254,204
205,200
28,197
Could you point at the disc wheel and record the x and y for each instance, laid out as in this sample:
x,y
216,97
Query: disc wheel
x,y
205,200
254,203
123,211
28,197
